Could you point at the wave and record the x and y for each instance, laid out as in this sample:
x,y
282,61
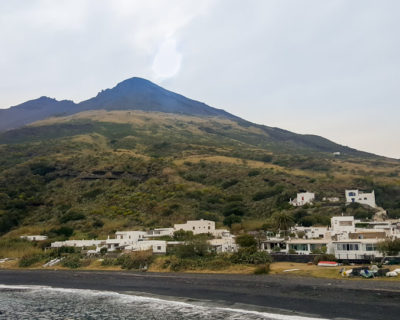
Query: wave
x,y
156,303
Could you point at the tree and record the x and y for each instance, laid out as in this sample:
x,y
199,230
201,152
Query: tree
x,y
182,235
246,241
389,247
283,220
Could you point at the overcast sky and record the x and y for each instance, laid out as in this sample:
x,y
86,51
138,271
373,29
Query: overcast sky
x,y
326,67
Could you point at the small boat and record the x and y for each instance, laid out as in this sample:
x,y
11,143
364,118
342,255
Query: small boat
x,y
328,264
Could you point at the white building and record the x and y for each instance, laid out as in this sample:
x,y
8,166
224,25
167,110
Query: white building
x,y
356,196
160,232
157,246
78,243
226,244
356,248
130,236
197,226
331,199
34,238
311,232
302,199
342,224
308,246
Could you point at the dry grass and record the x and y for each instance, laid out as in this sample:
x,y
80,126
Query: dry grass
x,y
25,230
157,266
17,251
319,272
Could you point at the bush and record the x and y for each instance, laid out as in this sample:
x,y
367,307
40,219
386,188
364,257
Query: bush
x,y
136,260
250,256
246,241
63,231
182,235
389,247
197,247
229,183
253,173
109,262
262,269
30,259
72,216
72,261
232,219
324,257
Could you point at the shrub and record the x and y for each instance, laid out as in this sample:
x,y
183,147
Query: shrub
x,y
253,173
72,216
262,269
63,231
236,208
220,262
182,235
324,257
229,183
250,256
30,259
232,219
109,262
261,195
389,247
197,247
135,260
72,261
246,240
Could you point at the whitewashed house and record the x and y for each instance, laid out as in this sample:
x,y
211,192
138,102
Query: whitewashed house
x,y
78,243
310,232
342,224
156,246
225,244
331,199
308,246
302,199
160,232
273,244
356,196
197,226
357,248
34,237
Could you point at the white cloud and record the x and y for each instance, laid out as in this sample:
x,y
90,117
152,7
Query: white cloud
x,y
310,66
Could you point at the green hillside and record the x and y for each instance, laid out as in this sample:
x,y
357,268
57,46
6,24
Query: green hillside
x,y
90,174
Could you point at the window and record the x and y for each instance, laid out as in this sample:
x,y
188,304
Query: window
x,y
347,246
299,247
317,246
194,228
352,194
346,223
209,227
159,248
370,247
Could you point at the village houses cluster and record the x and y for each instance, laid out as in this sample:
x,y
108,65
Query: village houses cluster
x,y
346,237
147,240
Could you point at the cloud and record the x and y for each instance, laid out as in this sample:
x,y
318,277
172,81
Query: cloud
x,y
328,68
167,60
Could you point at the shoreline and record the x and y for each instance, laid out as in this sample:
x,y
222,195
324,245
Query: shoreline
x,y
327,298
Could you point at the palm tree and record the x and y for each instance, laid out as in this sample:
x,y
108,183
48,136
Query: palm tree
x,y
283,221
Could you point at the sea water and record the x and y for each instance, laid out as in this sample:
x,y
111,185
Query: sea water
x,y
38,302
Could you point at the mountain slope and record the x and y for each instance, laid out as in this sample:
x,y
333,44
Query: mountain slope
x,y
141,94
88,174
34,110
131,94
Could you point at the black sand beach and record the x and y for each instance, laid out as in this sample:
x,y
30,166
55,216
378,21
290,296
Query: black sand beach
x,y
320,297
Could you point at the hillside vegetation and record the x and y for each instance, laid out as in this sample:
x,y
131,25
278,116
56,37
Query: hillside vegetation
x,y
92,173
